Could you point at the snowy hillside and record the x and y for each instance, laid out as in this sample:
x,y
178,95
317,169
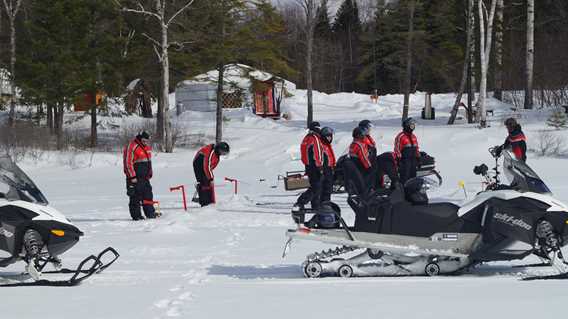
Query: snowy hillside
x,y
224,261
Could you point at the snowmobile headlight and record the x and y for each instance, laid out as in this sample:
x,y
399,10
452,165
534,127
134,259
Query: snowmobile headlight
x,y
58,232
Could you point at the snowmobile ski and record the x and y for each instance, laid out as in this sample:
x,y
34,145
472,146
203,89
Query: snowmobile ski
x,y
86,268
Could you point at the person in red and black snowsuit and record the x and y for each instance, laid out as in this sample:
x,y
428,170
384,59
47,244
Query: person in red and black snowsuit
x,y
366,126
204,162
137,161
328,163
316,159
407,151
516,140
360,155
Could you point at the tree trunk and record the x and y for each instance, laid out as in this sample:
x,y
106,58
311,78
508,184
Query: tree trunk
x,y
408,77
12,116
530,55
219,113
485,50
471,68
50,125
469,39
309,52
166,91
498,90
60,109
94,121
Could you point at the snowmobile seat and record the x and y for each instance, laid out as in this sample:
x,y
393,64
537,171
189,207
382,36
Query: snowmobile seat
x,y
422,220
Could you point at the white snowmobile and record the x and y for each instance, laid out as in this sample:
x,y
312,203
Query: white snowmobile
x,y
32,231
400,233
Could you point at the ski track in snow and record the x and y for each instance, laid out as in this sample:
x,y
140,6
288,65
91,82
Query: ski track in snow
x,y
224,260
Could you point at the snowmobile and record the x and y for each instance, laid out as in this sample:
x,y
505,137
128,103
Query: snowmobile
x,y
36,233
402,233
426,168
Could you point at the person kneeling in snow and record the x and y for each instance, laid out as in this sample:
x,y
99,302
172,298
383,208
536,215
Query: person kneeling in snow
x,y
138,170
204,162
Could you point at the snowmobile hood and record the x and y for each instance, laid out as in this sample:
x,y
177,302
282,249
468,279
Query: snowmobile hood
x,y
44,212
555,205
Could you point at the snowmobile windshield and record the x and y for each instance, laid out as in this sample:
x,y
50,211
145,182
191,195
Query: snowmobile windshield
x,y
16,185
521,176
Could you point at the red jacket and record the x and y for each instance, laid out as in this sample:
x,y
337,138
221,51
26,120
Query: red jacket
x,y
368,139
360,150
329,154
311,150
210,159
406,144
518,143
137,160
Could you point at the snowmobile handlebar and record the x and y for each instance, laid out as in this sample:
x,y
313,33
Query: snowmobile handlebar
x,y
495,151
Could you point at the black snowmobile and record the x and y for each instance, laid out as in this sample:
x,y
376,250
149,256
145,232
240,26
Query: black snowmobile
x,y
426,168
34,232
401,233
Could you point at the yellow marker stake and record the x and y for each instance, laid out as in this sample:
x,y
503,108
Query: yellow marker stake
x,y
461,184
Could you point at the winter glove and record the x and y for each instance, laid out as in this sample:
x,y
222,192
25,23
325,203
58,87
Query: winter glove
x,y
498,150
131,190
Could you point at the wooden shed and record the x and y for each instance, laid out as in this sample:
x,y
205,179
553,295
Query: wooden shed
x,y
243,87
85,101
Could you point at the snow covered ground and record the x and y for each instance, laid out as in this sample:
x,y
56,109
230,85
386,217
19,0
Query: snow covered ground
x,y
225,260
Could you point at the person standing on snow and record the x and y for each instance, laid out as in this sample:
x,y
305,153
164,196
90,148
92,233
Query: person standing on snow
x,y
312,155
516,140
204,162
407,151
137,161
328,163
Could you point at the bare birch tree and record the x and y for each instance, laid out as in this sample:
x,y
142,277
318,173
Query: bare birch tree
x,y
498,74
12,7
485,38
408,77
467,56
529,56
161,47
309,7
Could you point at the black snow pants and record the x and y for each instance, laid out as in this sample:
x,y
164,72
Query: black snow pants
x,y
314,193
205,187
407,168
140,194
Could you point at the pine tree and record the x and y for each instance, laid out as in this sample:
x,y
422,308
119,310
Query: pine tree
x,y
49,63
558,119
347,30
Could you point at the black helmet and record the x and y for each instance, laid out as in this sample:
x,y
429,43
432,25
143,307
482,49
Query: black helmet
x,y
366,125
222,148
358,132
143,135
409,124
327,134
511,123
314,126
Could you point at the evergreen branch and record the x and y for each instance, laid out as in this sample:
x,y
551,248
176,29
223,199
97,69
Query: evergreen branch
x,y
179,11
